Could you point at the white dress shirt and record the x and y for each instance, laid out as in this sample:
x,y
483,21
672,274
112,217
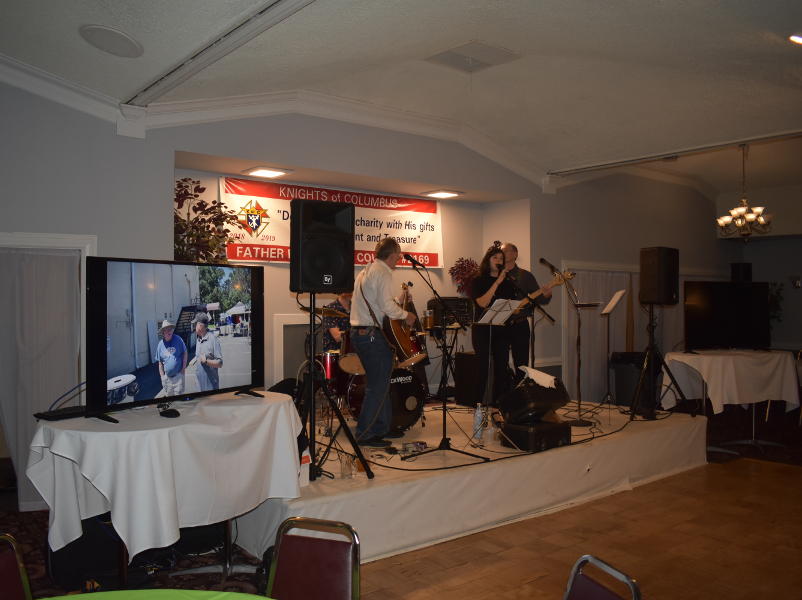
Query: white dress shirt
x,y
376,281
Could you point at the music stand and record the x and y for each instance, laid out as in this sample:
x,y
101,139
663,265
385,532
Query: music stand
x,y
608,397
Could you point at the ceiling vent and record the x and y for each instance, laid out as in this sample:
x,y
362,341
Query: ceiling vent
x,y
473,57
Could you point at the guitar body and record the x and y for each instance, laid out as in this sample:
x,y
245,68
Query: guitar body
x,y
405,341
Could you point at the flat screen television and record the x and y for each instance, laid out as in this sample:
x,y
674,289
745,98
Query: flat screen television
x,y
724,314
127,304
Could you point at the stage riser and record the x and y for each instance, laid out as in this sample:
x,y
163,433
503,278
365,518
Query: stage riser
x,y
396,513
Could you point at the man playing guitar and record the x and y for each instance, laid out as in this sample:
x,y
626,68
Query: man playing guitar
x,y
371,302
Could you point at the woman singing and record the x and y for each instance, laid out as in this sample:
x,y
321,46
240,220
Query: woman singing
x,y
490,341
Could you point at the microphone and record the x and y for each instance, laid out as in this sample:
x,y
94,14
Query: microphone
x,y
554,269
413,261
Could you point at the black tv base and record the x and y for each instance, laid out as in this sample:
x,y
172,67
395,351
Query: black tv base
x,y
248,393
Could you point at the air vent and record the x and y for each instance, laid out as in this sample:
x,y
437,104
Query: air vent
x,y
473,57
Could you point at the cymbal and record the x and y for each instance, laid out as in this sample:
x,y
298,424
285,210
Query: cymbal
x,y
326,312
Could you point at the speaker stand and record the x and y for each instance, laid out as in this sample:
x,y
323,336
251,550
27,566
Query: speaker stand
x,y
315,468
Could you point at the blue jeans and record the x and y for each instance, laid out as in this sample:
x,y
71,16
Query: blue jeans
x,y
376,415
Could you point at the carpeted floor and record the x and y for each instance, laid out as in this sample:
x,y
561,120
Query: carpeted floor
x,y
150,570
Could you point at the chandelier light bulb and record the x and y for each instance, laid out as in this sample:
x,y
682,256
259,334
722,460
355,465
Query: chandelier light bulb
x,y
750,217
726,219
734,212
758,210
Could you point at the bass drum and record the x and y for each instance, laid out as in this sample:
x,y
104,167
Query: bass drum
x,y
407,396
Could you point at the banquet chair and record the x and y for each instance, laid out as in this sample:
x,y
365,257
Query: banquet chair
x,y
13,576
582,586
314,568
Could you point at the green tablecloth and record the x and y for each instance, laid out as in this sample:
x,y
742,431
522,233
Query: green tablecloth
x,y
162,595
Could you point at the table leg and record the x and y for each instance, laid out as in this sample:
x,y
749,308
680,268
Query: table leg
x,y
753,441
718,449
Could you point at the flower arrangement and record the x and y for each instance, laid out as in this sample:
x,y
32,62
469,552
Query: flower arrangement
x,y
463,272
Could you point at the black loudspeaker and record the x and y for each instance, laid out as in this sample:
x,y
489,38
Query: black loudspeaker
x,y
659,275
527,402
536,437
321,246
456,307
741,272
466,379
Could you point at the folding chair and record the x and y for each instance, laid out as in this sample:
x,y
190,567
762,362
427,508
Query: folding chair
x,y
582,586
13,576
314,568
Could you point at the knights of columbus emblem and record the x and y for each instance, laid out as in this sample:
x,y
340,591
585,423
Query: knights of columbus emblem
x,y
255,217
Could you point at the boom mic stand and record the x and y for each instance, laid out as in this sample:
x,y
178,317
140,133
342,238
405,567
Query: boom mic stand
x,y
315,469
445,441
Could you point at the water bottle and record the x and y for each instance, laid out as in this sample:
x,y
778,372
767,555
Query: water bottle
x,y
478,423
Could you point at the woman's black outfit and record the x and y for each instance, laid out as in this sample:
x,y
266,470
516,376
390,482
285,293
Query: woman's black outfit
x,y
495,343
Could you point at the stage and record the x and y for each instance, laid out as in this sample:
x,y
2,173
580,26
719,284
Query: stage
x,y
430,499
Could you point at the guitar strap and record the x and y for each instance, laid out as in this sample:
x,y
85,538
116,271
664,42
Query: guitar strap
x,y
373,316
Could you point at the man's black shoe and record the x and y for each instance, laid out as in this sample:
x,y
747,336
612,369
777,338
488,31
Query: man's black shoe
x,y
394,434
374,442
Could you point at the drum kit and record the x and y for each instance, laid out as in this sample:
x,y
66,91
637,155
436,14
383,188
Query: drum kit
x,y
344,374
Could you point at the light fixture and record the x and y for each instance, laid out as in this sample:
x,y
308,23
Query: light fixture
x,y
744,220
442,194
111,40
796,38
266,172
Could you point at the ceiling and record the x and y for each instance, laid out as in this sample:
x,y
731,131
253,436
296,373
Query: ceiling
x,y
589,83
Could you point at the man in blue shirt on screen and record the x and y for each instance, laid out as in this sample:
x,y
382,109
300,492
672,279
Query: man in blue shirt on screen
x,y
208,353
172,354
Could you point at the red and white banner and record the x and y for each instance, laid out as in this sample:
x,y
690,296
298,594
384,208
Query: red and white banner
x,y
263,209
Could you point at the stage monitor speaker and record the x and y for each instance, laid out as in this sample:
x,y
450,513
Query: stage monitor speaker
x,y
321,246
659,275
466,379
741,272
528,402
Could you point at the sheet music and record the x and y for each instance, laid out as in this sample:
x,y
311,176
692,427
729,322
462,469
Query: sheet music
x,y
499,312
613,301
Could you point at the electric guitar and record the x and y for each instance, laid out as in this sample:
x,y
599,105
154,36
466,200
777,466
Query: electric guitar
x,y
528,300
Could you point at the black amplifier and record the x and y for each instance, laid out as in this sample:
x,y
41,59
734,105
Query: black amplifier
x,y
456,306
536,437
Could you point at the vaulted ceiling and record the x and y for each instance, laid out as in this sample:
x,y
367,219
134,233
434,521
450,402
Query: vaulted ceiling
x,y
579,82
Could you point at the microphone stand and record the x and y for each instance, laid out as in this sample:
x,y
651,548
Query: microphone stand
x,y
445,441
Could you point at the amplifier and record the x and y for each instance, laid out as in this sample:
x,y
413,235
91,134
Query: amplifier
x,y
536,437
462,309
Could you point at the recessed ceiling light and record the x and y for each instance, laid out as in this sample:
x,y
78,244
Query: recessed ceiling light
x,y
266,172
442,194
796,38
111,40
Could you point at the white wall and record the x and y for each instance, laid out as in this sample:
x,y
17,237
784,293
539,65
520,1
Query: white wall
x,y
607,221
509,222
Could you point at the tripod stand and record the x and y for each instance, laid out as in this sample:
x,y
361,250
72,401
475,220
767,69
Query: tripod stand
x,y
653,361
311,383
445,351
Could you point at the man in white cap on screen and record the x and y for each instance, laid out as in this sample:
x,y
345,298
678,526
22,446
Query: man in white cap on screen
x,y
208,353
172,354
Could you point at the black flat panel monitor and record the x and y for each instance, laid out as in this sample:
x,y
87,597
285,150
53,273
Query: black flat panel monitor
x,y
724,314
134,356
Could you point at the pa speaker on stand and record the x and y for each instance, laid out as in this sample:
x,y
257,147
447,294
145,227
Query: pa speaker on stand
x,y
321,247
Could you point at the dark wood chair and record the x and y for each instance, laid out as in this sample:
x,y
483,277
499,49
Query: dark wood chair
x,y
13,576
311,567
582,586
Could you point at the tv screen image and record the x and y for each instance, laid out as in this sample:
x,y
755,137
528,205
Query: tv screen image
x,y
159,331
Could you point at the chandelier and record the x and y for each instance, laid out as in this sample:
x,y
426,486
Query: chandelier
x,y
744,220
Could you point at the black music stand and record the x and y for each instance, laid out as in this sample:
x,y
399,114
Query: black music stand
x,y
445,441
605,314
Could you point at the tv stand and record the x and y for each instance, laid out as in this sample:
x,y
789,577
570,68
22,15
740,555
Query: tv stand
x,y
248,393
105,417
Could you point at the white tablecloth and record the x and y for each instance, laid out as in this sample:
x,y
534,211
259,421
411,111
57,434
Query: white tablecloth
x,y
221,458
734,377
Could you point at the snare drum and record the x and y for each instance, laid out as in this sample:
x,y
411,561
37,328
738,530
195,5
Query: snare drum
x,y
349,360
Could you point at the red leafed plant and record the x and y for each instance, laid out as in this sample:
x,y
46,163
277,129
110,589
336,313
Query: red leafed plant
x,y
463,272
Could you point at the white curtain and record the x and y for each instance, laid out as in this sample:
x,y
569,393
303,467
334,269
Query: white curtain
x,y
599,286
40,348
